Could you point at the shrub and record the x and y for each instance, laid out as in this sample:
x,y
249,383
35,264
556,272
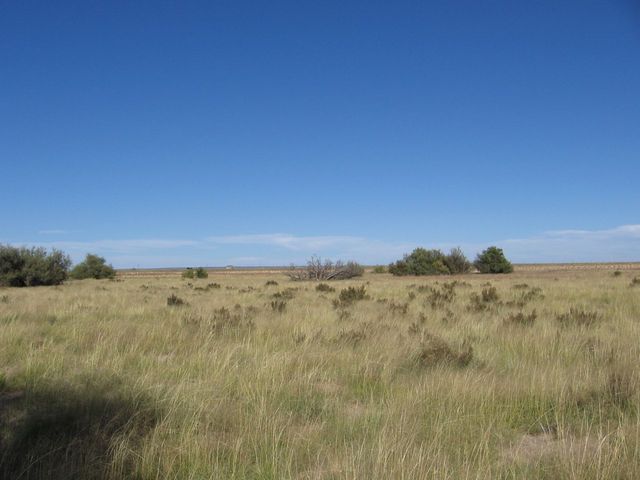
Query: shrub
x,y
195,273
353,294
29,267
278,305
492,260
521,319
316,269
379,269
635,281
487,298
323,287
174,301
457,262
93,266
578,317
431,262
435,351
421,262
271,283
350,295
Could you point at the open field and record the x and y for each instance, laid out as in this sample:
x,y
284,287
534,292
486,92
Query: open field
x,y
528,375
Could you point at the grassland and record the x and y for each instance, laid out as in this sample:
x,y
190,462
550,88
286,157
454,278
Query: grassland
x,y
530,375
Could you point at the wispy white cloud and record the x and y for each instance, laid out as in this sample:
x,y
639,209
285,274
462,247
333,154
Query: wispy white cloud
x,y
53,232
288,241
619,244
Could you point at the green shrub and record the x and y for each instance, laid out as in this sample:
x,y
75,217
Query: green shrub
x,y
492,260
195,273
93,266
431,262
457,262
30,267
421,262
379,269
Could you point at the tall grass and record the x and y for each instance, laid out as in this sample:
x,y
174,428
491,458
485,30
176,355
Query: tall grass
x,y
103,379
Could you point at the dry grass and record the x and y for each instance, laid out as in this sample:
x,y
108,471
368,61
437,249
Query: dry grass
x,y
103,379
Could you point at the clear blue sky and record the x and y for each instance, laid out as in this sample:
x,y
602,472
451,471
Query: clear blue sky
x,y
181,133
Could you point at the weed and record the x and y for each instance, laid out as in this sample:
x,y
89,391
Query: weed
x,y
578,317
521,318
174,301
350,295
488,298
323,287
435,351
278,305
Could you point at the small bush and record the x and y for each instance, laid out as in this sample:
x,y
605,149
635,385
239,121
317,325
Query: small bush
x,y
635,282
617,273
488,298
213,286
323,287
93,266
174,301
4,299
30,267
492,260
521,318
435,351
278,305
286,294
352,294
195,273
379,269
440,298
578,317
270,283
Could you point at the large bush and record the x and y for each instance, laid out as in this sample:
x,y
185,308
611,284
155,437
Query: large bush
x,y
93,266
492,260
30,267
431,262
457,262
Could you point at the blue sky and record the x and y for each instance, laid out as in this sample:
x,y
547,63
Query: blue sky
x,y
188,133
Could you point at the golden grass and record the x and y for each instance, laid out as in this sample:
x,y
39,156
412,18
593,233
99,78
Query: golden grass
x,y
103,379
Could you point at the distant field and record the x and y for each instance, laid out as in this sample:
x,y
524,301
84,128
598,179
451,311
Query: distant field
x,y
530,375
522,267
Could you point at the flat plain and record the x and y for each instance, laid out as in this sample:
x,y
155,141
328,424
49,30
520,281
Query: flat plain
x,y
253,376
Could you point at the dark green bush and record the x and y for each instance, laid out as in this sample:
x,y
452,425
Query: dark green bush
x,y
431,262
30,267
421,262
492,260
379,269
457,262
93,266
